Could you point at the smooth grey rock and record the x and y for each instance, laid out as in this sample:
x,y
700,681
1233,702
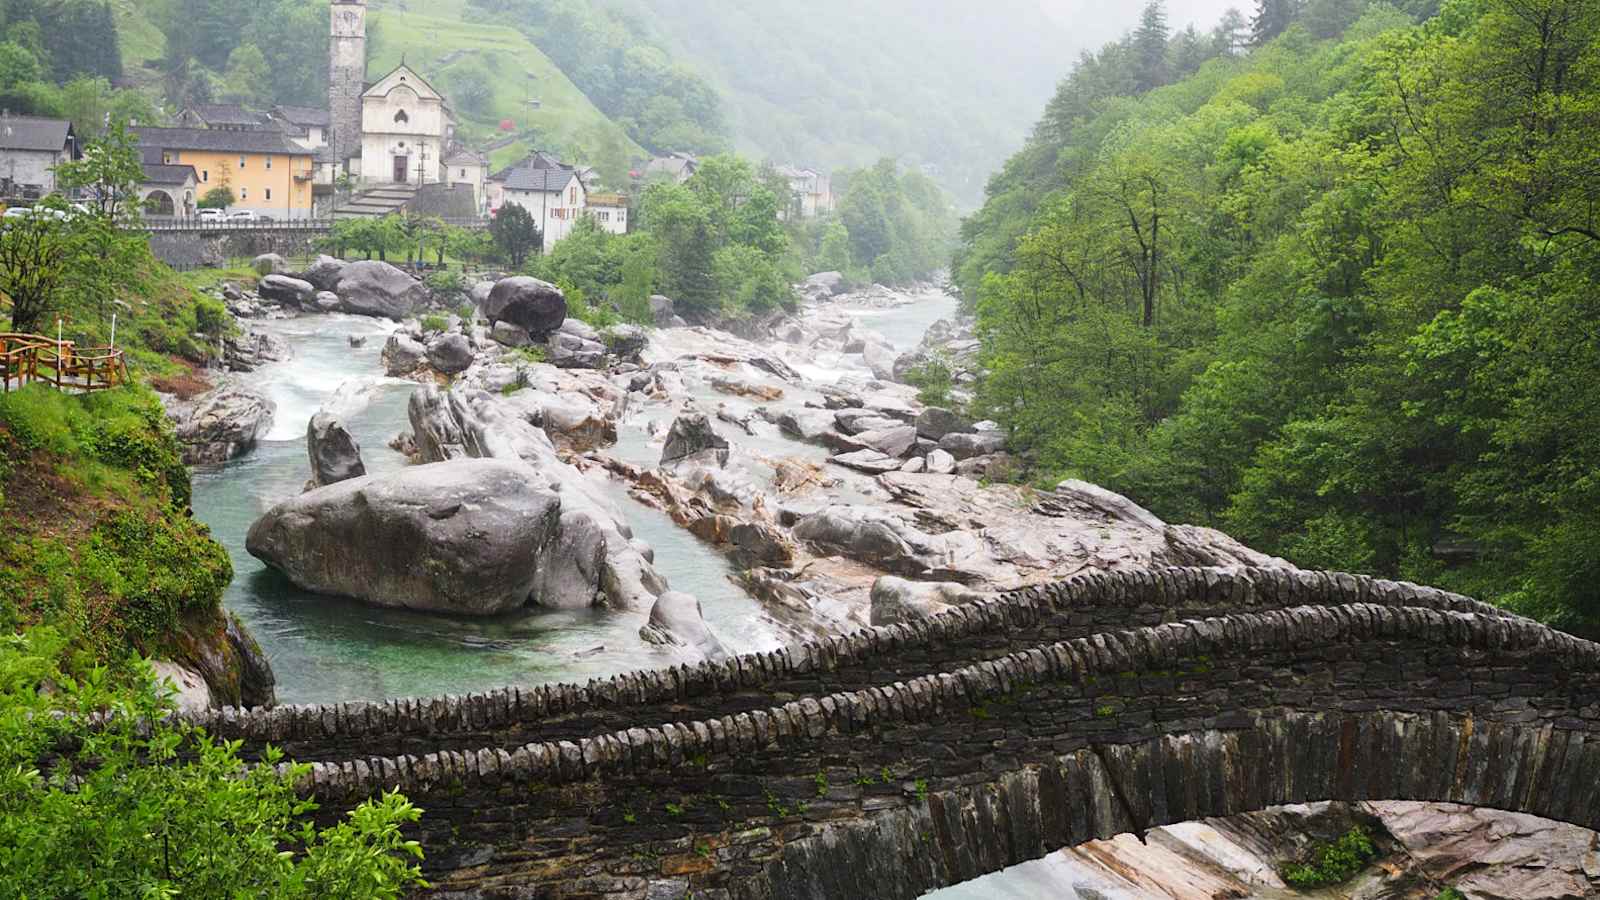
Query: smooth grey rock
x,y
223,424
893,441
284,290
373,288
328,301
809,425
856,420
880,358
935,423
479,295
191,694
325,273
450,353
334,453
867,535
402,355
914,466
677,620
760,544
662,310
941,463
509,334
896,600
269,264
581,329
537,306
463,537
692,439
563,357
828,284
870,461
968,446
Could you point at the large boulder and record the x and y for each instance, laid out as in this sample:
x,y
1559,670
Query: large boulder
x,y
328,301
450,353
402,355
868,535
626,342
373,288
692,439
662,310
509,335
934,423
269,264
880,358
463,537
223,424
534,305
825,284
855,421
970,446
676,620
325,273
810,425
479,295
896,600
893,441
334,453
287,291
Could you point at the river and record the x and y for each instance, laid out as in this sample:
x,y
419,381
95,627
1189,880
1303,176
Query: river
x,y
327,650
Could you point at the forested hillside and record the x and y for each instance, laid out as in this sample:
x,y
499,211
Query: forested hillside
x,y
1336,294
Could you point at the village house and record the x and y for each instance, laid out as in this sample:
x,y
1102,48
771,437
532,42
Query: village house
x,y
679,167
609,211
549,190
30,150
468,167
269,174
220,117
811,192
169,190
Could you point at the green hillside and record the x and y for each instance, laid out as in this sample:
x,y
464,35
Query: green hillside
x,y
489,74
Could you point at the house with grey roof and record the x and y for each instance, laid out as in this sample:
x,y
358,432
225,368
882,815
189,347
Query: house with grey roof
x,y
30,150
169,190
679,167
221,117
547,188
268,173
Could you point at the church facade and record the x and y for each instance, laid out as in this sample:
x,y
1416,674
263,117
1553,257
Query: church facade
x,y
406,131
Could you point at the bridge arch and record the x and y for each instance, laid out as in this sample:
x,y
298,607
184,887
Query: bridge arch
x,y
892,790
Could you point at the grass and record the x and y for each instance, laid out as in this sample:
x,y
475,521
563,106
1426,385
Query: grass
x,y
439,45
1332,863
95,538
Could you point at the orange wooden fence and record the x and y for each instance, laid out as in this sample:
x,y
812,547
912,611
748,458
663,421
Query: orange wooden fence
x,y
34,359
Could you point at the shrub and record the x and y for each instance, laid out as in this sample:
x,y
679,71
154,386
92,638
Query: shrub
x,y
446,284
934,382
435,323
1333,863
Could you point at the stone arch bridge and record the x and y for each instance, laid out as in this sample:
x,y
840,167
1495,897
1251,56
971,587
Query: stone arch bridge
x,y
895,760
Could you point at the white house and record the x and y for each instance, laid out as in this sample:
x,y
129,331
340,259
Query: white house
x,y
609,211
30,150
465,166
811,191
406,128
555,196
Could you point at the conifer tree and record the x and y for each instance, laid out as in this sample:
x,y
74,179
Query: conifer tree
x,y
1150,45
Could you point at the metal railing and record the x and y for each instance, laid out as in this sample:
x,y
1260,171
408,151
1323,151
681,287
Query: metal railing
x,y
194,224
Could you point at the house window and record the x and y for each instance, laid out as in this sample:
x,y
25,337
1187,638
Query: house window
x,y
269,162
269,193
205,175
463,173
241,160
244,193
401,118
166,159
605,216
572,196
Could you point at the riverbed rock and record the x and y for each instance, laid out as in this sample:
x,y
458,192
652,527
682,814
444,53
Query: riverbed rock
x,y
223,424
824,284
286,291
509,335
894,441
190,693
760,544
856,420
269,264
934,423
325,273
374,288
450,353
941,463
739,387
692,440
402,355
897,600
462,537
869,461
676,619
968,446
866,535
880,358
536,306
253,349
809,425
328,301
334,452
626,341
662,310
479,295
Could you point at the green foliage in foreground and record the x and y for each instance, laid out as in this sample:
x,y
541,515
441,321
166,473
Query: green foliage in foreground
x,y
1333,863
1336,297
162,810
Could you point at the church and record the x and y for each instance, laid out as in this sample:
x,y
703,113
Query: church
x,y
398,130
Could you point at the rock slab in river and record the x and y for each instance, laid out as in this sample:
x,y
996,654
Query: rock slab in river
x,y
533,305
459,537
335,455
223,424
677,620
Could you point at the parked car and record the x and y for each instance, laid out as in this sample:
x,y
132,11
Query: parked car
x,y
240,216
31,212
212,215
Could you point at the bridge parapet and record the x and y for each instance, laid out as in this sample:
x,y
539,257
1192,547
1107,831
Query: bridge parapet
x,y
897,789
875,657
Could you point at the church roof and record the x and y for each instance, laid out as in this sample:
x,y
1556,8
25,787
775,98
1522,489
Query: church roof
x,y
408,76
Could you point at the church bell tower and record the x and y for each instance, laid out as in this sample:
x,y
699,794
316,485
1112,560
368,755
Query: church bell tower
x,y
347,76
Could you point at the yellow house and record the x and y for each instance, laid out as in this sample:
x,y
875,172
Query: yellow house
x,y
269,174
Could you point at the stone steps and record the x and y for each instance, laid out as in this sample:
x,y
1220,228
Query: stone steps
x,y
377,202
